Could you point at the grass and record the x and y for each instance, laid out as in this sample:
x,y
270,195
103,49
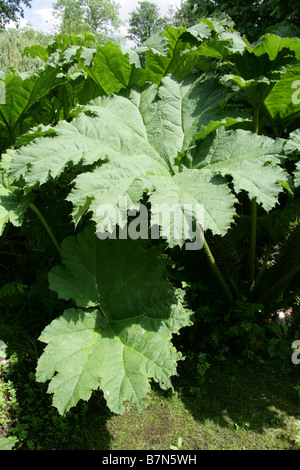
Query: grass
x,y
232,402
239,406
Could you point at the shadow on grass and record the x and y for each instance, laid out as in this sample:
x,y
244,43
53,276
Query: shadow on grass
x,y
238,404
29,414
38,425
257,398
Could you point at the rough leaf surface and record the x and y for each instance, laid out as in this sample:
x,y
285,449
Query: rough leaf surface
x,y
119,337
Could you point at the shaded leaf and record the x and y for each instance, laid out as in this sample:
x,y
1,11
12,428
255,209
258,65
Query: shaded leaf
x,y
125,340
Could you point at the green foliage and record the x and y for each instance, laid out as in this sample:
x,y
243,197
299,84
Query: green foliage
x,y
8,405
99,17
12,10
286,263
11,289
132,315
7,443
298,431
250,18
144,22
192,118
13,42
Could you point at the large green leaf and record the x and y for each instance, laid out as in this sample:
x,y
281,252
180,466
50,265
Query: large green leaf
x,y
149,141
7,443
283,102
252,161
13,204
172,52
268,54
257,69
111,132
111,67
293,144
155,123
122,339
22,92
171,118
219,40
274,46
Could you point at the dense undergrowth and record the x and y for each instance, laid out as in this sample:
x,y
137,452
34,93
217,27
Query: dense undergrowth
x,y
222,399
196,118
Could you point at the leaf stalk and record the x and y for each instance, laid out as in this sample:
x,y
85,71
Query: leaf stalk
x,y
253,234
44,222
216,269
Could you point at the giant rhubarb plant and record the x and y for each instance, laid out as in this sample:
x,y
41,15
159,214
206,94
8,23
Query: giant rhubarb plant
x,y
156,131
120,334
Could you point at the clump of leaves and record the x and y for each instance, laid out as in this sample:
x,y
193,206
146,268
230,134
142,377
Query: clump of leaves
x,y
148,125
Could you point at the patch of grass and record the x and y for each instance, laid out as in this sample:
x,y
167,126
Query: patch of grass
x,y
245,406
38,425
239,408
157,427
8,402
222,404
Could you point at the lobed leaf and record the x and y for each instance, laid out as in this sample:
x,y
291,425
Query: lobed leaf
x,y
124,339
250,159
22,91
13,204
293,144
283,102
170,118
173,52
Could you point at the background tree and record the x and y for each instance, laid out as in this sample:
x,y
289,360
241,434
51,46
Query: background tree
x,y
101,14
14,41
189,12
70,14
251,18
96,16
287,11
144,21
12,10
